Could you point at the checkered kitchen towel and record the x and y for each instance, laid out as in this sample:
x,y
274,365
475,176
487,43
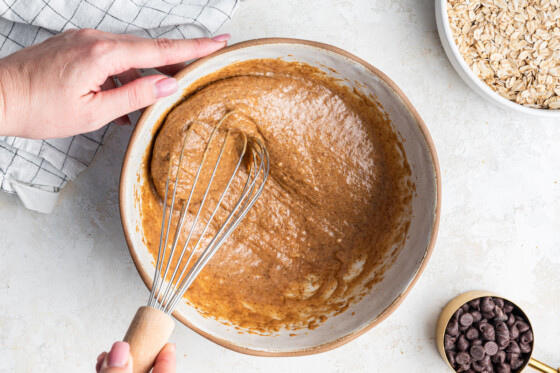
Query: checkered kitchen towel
x,y
37,169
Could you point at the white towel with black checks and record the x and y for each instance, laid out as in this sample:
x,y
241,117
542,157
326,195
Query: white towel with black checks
x,y
37,169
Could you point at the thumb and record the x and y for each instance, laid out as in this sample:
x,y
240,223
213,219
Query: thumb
x,y
118,360
165,361
135,95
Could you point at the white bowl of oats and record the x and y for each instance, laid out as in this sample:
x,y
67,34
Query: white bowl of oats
x,y
508,51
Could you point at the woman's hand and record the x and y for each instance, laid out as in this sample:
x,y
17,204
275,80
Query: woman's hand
x,y
65,86
118,360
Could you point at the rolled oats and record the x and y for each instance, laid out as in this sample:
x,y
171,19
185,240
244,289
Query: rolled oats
x,y
511,45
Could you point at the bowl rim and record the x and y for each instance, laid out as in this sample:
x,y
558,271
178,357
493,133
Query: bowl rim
x,y
434,227
446,37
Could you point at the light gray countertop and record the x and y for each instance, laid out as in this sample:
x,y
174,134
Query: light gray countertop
x,y
68,287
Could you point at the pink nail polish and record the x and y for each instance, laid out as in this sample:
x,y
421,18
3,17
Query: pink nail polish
x,y
165,87
221,38
118,356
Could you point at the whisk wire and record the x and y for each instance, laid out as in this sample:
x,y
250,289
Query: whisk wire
x,y
247,202
180,279
159,263
184,207
178,285
171,285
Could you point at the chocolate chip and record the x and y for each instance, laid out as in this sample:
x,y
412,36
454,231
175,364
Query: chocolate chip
x,y
500,357
478,367
487,304
453,328
466,319
449,342
458,313
513,332
463,328
526,337
508,307
500,315
499,302
475,304
477,353
511,320
513,347
476,342
517,363
525,347
472,333
503,368
465,307
450,357
510,356
487,330
464,368
502,343
521,325
477,316
491,348
502,334
463,358
462,343
486,362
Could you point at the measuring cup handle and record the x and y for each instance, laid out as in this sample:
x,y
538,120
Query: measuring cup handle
x,y
537,365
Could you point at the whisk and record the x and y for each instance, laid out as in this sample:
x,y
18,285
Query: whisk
x,y
152,325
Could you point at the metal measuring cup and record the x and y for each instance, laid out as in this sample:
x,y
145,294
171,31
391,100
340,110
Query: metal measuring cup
x,y
457,302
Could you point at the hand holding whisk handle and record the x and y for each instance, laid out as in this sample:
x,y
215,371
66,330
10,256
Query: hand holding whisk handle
x,y
152,325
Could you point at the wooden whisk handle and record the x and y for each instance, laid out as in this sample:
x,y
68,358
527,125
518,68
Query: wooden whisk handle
x,y
148,332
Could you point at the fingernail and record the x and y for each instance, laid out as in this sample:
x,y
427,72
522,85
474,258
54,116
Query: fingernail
x,y
165,87
118,356
173,347
222,38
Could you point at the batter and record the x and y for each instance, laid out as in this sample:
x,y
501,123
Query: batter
x,y
335,210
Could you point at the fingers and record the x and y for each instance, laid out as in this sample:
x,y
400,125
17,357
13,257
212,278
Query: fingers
x,y
100,360
129,53
125,78
110,84
118,360
165,361
132,96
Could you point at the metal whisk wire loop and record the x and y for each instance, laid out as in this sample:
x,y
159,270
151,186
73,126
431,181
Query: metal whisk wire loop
x,y
165,299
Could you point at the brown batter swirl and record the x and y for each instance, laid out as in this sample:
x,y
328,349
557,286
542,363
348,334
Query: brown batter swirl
x,y
335,210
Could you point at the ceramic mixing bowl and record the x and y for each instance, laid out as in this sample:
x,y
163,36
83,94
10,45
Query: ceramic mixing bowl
x,y
384,297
